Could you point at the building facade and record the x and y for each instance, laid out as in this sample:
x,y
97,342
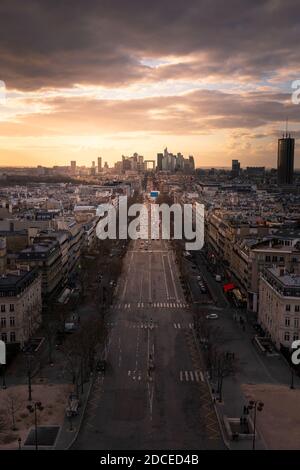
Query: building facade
x,y
20,306
279,306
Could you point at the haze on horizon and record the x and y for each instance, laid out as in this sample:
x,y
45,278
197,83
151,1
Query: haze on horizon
x,y
106,78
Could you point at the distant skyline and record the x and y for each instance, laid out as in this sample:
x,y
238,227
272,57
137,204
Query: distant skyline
x,y
105,78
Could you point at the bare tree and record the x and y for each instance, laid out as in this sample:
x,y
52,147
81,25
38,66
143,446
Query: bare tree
x,y
80,350
225,366
32,366
13,405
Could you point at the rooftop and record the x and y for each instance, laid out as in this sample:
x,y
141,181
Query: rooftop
x,y
13,283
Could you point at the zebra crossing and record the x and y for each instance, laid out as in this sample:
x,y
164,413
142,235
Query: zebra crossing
x,y
178,326
191,376
144,325
150,305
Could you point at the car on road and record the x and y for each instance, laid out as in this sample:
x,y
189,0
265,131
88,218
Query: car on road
x,y
212,316
101,366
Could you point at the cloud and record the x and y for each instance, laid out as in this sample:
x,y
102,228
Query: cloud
x,y
54,43
198,112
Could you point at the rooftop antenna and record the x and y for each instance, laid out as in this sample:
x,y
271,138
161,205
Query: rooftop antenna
x,y
286,126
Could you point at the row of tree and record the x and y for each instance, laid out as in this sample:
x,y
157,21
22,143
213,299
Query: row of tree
x,y
220,363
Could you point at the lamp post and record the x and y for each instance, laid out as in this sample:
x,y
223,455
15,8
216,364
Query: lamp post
x,y
255,405
29,374
33,409
3,377
292,379
19,442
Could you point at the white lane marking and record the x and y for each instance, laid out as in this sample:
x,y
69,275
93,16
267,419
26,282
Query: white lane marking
x,y
172,277
201,375
150,281
186,375
141,286
196,376
192,376
137,349
165,276
181,376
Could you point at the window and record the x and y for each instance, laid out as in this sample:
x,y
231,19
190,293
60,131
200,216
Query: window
x,y
268,259
296,322
274,259
287,308
295,337
297,308
287,321
3,322
4,337
12,307
12,321
2,308
286,336
12,337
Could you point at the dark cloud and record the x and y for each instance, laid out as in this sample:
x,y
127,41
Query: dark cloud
x,y
54,43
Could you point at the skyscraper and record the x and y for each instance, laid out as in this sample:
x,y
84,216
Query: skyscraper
x,y
73,167
192,162
159,161
285,160
99,164
235,168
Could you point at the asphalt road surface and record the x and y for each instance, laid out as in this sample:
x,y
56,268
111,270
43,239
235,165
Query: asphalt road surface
x,y
135,406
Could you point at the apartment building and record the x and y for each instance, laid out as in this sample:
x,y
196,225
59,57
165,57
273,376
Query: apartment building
x,y
20,306
279,306
250,256
62,237
76,239
46,256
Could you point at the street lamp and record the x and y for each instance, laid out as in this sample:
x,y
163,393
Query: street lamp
x,y
19,442
292,378
3,377
33,409
29,373
256,406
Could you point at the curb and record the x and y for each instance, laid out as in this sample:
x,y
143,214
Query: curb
x,y
82,416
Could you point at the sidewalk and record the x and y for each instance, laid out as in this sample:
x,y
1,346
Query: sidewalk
x,y
258,377
70,428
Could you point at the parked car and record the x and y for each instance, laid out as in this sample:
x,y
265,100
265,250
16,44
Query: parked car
x,y
212,316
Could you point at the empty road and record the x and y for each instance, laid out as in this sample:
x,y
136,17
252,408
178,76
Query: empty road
x,y
132,406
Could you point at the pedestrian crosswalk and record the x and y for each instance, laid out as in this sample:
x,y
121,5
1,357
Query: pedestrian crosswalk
x,y
191,376
178,326
134,305
144,325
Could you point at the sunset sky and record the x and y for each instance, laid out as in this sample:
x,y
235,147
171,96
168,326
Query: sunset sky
x,y
110,77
